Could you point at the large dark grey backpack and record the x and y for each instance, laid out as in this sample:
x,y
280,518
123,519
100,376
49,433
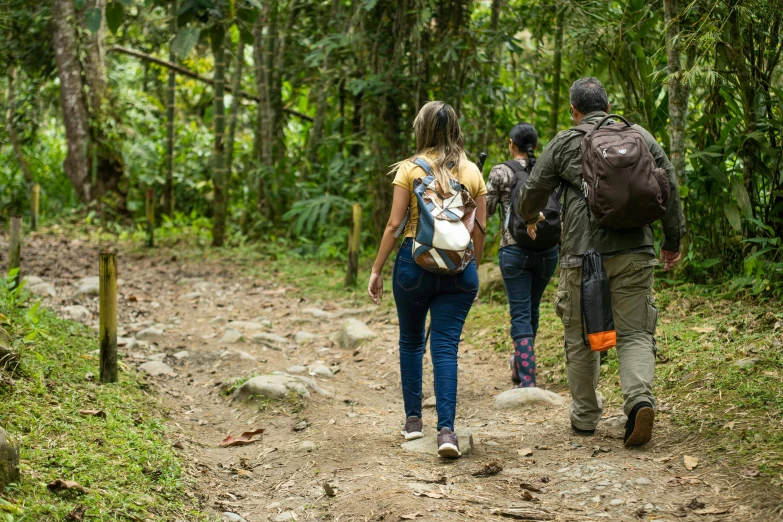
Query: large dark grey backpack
x,y
547,231
622,184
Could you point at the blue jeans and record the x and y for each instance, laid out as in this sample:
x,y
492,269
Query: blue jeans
x,y
448,299
526,274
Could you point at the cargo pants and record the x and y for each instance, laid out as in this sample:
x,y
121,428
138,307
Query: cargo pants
x,y
635,318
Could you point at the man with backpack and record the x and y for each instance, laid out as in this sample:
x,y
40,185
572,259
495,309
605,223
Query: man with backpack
x,y
617,182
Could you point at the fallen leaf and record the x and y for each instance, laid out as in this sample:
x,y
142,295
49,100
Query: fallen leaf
x,y
411,516
751,473
489,469
543,448
243,440
328,490
94,413
530,487
729,425
690,462
244,473
663,460
528,497
711,511
65,485
77,515
526,452
703,329
598,450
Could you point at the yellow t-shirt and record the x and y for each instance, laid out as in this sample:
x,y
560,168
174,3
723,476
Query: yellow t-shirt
x,y
469,175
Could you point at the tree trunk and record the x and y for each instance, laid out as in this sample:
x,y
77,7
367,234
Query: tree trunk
x,y
94,66
236,85
168,184
12,136
316,130
219,185
75,116
263,137
557,65
488,132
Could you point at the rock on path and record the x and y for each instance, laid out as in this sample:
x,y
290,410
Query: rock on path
x,y
523,397
87,286
231,336
9,459
39,287
156,368
76,313
353,333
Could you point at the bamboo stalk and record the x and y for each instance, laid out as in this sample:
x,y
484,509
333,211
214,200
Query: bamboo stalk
x,y
15,249
354,244
108,316
150,218
35,197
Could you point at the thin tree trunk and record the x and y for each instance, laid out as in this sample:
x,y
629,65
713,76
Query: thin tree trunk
x,y
236,84
316,130
75,116
168,184
263,137
219,185
12,136
558,65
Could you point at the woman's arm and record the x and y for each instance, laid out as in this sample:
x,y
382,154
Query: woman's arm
x,y
399,208
479,233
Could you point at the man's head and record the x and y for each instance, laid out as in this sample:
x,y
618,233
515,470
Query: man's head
x,y
588,95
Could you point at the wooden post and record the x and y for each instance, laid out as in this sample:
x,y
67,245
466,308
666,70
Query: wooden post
x,y
15,248
35,194
150,218
108,316
354,244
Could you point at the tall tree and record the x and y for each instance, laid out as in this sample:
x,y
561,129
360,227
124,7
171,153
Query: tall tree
x,y
219,181
168,184
554,111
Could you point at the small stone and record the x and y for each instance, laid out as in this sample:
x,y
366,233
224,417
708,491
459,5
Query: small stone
x,y
9,459
429,402
301,426
308,446
155,368
304,337
317,313
616,423
244,356
649,507
152,332
157,357
218,320
429,443
129,343
616,502
490,280
89,376
39,287
270,340
270,387
285,516
605,483
523,397
643,481
296,369
353,333
582,491
87,286
233,517
748,362
246,326
231,336
273,505
596,499
190,296
182,354
319,370
76,313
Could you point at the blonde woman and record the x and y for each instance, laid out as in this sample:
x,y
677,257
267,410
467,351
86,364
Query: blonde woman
x,y
447,297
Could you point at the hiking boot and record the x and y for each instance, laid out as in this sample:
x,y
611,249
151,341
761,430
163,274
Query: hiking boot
x,y
448,445
413,428
583,433
639,426
515,378
523,364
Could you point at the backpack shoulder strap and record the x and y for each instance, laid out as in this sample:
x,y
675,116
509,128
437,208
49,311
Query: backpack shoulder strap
x,y
584,128
422,163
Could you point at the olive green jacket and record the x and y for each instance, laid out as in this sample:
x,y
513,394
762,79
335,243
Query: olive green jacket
x,y
561,162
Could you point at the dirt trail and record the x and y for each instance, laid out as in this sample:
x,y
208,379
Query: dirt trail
x,y
355,435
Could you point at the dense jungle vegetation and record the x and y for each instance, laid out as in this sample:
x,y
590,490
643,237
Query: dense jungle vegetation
x,y
265,120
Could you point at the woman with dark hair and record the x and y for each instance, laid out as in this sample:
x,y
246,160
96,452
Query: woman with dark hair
x,y
526,271
441,184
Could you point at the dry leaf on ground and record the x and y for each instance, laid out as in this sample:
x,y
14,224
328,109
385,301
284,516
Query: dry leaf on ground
x,y
329,490
242,440
489,469
64,485
77,515
526,452
703,329
93,413
530,487
690,462
411,516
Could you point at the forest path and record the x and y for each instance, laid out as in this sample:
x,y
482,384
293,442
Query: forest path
x,y
352,440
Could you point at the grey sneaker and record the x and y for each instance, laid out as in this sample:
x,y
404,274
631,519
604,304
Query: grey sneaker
x,y
413,428
448,445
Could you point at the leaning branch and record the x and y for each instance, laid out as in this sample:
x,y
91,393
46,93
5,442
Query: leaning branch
x,y
190,74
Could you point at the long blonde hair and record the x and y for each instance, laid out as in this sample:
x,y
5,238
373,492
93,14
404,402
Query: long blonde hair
x,y
438,133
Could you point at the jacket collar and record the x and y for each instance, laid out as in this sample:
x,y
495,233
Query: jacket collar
x,y
593,117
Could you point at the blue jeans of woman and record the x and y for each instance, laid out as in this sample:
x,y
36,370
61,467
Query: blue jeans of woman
x,y
448,299
526,273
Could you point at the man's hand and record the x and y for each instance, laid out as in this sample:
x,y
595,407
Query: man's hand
x,y
531,229
670,259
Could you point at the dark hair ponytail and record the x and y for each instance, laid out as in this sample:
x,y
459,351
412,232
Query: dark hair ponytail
x,y
525,139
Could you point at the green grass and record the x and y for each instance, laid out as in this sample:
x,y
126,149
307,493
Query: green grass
x,y
124,460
